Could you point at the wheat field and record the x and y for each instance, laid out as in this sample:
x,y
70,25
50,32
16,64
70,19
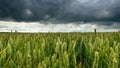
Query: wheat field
x,y
60,50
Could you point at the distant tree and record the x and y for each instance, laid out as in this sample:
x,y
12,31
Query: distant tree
x,y
15,31
11,31
95,31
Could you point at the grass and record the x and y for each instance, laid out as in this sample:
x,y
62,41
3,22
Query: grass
x,y
60,50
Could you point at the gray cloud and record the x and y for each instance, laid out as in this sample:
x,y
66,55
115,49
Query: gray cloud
x,y
104,11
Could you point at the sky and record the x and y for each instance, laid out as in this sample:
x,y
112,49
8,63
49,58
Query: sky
x,y
59,15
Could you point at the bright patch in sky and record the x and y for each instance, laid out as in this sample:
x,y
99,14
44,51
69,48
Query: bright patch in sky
x,y
40,27
82,1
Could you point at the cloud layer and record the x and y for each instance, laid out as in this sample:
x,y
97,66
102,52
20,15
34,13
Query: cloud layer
x,y
41,27
61,11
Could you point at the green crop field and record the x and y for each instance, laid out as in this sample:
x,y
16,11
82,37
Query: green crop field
x,y
60,50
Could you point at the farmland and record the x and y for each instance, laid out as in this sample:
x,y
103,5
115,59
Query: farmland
x,y
60,50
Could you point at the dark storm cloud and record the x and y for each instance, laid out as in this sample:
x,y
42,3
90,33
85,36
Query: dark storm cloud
x,y
60,10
